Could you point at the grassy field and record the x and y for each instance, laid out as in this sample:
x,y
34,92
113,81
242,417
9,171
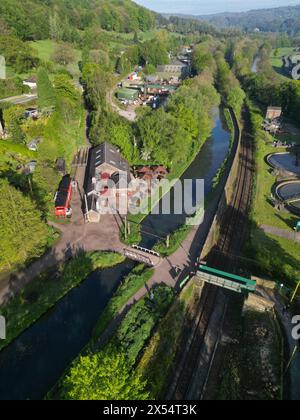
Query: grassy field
x,y
276,60
45,50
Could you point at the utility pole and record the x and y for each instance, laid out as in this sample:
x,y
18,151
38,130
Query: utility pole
x,y
295,292
129,228
292,358
125,228
168,241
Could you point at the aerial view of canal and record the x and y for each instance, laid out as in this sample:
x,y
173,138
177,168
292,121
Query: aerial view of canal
x,y
32,364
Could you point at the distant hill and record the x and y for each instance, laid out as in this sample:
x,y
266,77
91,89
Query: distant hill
x,y
37,19
281,19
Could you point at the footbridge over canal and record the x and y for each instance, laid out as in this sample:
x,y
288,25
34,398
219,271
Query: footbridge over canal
x,y
142,255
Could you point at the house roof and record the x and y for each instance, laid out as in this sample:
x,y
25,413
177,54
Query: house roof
x,y
60,164
161,169
32,79
128,93
274,112
144,170
106,153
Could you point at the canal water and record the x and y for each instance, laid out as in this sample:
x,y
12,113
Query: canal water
x,y
255,64
33,363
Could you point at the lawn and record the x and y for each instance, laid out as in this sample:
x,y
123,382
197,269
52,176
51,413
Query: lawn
x,y
276,60
45,50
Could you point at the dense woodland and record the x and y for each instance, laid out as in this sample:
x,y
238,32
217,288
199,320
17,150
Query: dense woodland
x,y
63,19
281,19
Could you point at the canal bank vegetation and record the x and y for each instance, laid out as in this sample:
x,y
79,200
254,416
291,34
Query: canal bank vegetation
x,y
158,359
174,240
114,375
139,277
41,294
217,178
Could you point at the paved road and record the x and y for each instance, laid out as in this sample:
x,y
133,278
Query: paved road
x,y
129,113
282,233
19,100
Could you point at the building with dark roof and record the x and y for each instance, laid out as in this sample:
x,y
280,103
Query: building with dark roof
x,y
176,68
108,176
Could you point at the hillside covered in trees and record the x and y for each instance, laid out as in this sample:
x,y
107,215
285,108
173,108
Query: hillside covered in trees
x,y
281,19
64,19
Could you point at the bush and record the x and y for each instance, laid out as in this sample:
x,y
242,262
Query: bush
x,y
129,286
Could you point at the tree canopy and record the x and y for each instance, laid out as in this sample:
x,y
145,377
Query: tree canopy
x,y
23,233
104,376
46,93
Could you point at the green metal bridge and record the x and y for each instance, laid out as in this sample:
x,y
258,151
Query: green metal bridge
x,y
225,280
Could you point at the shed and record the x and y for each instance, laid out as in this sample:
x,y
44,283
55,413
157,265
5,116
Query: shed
x,y
30,167
33,145
273,112
60,165
128,94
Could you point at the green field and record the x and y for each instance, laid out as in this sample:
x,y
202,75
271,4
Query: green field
x,y
45,50
276,59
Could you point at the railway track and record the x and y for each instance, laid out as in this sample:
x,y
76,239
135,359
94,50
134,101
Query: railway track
x,y
193,368
80,160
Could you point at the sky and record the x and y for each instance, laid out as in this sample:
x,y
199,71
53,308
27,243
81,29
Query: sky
x,y
204,7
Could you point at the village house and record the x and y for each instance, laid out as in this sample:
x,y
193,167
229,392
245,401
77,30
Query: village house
x,y
176,68
31,82
273,113
109,176
33,144
272,122
60,166
31,113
